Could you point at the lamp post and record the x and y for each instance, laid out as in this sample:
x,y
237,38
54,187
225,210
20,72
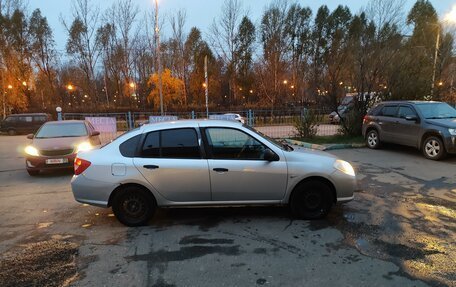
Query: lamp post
x,y
10,87
157,40
451,19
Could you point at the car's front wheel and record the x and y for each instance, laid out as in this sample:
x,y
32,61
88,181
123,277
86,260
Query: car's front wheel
x,y
133,206
311,200
12,132
433,148
372,139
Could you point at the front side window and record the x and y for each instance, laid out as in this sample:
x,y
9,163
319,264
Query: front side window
x,y
176,143
226,143
406,111
60,130
389,111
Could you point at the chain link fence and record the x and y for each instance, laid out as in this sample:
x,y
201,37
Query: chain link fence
x,y
273,123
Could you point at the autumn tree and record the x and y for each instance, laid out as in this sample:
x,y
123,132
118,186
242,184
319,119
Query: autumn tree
x,y
173,89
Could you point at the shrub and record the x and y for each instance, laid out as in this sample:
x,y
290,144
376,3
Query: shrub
x,y
306,125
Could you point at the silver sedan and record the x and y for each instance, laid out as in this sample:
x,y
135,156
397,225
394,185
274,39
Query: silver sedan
x,y
207,163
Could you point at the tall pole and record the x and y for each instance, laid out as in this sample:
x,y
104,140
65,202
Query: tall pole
x,y
206,86
437,43
157,39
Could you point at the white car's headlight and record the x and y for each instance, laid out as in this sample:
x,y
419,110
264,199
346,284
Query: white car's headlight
x,y
344,167
452,132
31,150
84,146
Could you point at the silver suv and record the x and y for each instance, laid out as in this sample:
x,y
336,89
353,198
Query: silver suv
x,y
428,126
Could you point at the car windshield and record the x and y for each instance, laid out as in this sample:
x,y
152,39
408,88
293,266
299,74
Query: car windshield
x,y
282,146
61,130
437,110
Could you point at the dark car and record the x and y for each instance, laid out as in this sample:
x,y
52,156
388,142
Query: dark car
x,y
56,144
23,123
428,126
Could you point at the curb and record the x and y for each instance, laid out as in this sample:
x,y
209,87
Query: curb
x,y
324,147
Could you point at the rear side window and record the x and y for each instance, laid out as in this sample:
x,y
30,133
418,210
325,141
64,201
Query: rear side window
x,y
128,147
176,143
374,111
39,119
389,111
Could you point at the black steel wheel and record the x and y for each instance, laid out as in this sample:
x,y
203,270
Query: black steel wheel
x,y
133,206
311,200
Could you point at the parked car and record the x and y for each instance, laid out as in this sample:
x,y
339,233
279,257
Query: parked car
x,y
237,117
207,163
428,126
56,144
23,123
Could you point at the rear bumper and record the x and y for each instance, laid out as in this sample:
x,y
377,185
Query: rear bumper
x,y
39,162
91,191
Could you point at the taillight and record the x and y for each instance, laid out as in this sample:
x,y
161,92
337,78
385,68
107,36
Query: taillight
x,y
365,119
80,165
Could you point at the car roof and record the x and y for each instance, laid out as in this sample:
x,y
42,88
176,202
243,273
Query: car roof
x,y
189,123
28,115
67,122
410,102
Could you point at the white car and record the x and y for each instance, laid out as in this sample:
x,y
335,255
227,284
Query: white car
x,y
207,163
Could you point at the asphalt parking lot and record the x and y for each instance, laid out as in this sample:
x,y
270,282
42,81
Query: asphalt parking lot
x,y
399,231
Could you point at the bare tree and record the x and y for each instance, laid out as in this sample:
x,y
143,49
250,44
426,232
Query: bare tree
x,y
82,43
223,35
177,42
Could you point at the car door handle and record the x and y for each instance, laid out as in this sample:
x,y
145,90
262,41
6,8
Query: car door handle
x,y
151,166
219,169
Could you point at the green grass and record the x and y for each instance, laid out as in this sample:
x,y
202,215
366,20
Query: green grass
x,y
337,139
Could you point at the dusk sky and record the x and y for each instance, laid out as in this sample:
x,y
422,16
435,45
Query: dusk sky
x,y
200,13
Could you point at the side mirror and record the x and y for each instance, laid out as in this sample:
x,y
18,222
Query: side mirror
x,y
411,118
269,155
30,136
95,133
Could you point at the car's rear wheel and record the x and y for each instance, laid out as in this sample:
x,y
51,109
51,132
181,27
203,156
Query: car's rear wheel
x,y
311,200
372,139
433,148
11,132
133,206
33,172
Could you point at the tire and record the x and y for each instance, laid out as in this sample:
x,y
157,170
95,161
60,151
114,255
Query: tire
x,y
33,172
311,200
372,139
133,206
12,132
433,148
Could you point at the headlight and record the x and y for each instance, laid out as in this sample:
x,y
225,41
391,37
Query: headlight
x,y
84,146
452,132
30,150
344,167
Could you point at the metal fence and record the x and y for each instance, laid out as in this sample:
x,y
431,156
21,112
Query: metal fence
x,y
273,123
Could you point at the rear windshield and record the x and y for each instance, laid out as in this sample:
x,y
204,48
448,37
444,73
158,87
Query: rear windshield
x,y
62,130
437,110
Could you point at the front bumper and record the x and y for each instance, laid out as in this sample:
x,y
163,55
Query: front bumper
x,y
345,186
450,144
39,162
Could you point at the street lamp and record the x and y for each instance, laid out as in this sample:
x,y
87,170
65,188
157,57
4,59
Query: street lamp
x,y
70,87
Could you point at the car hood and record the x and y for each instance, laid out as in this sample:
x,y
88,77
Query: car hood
x,y
446,123
57,143
300,153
